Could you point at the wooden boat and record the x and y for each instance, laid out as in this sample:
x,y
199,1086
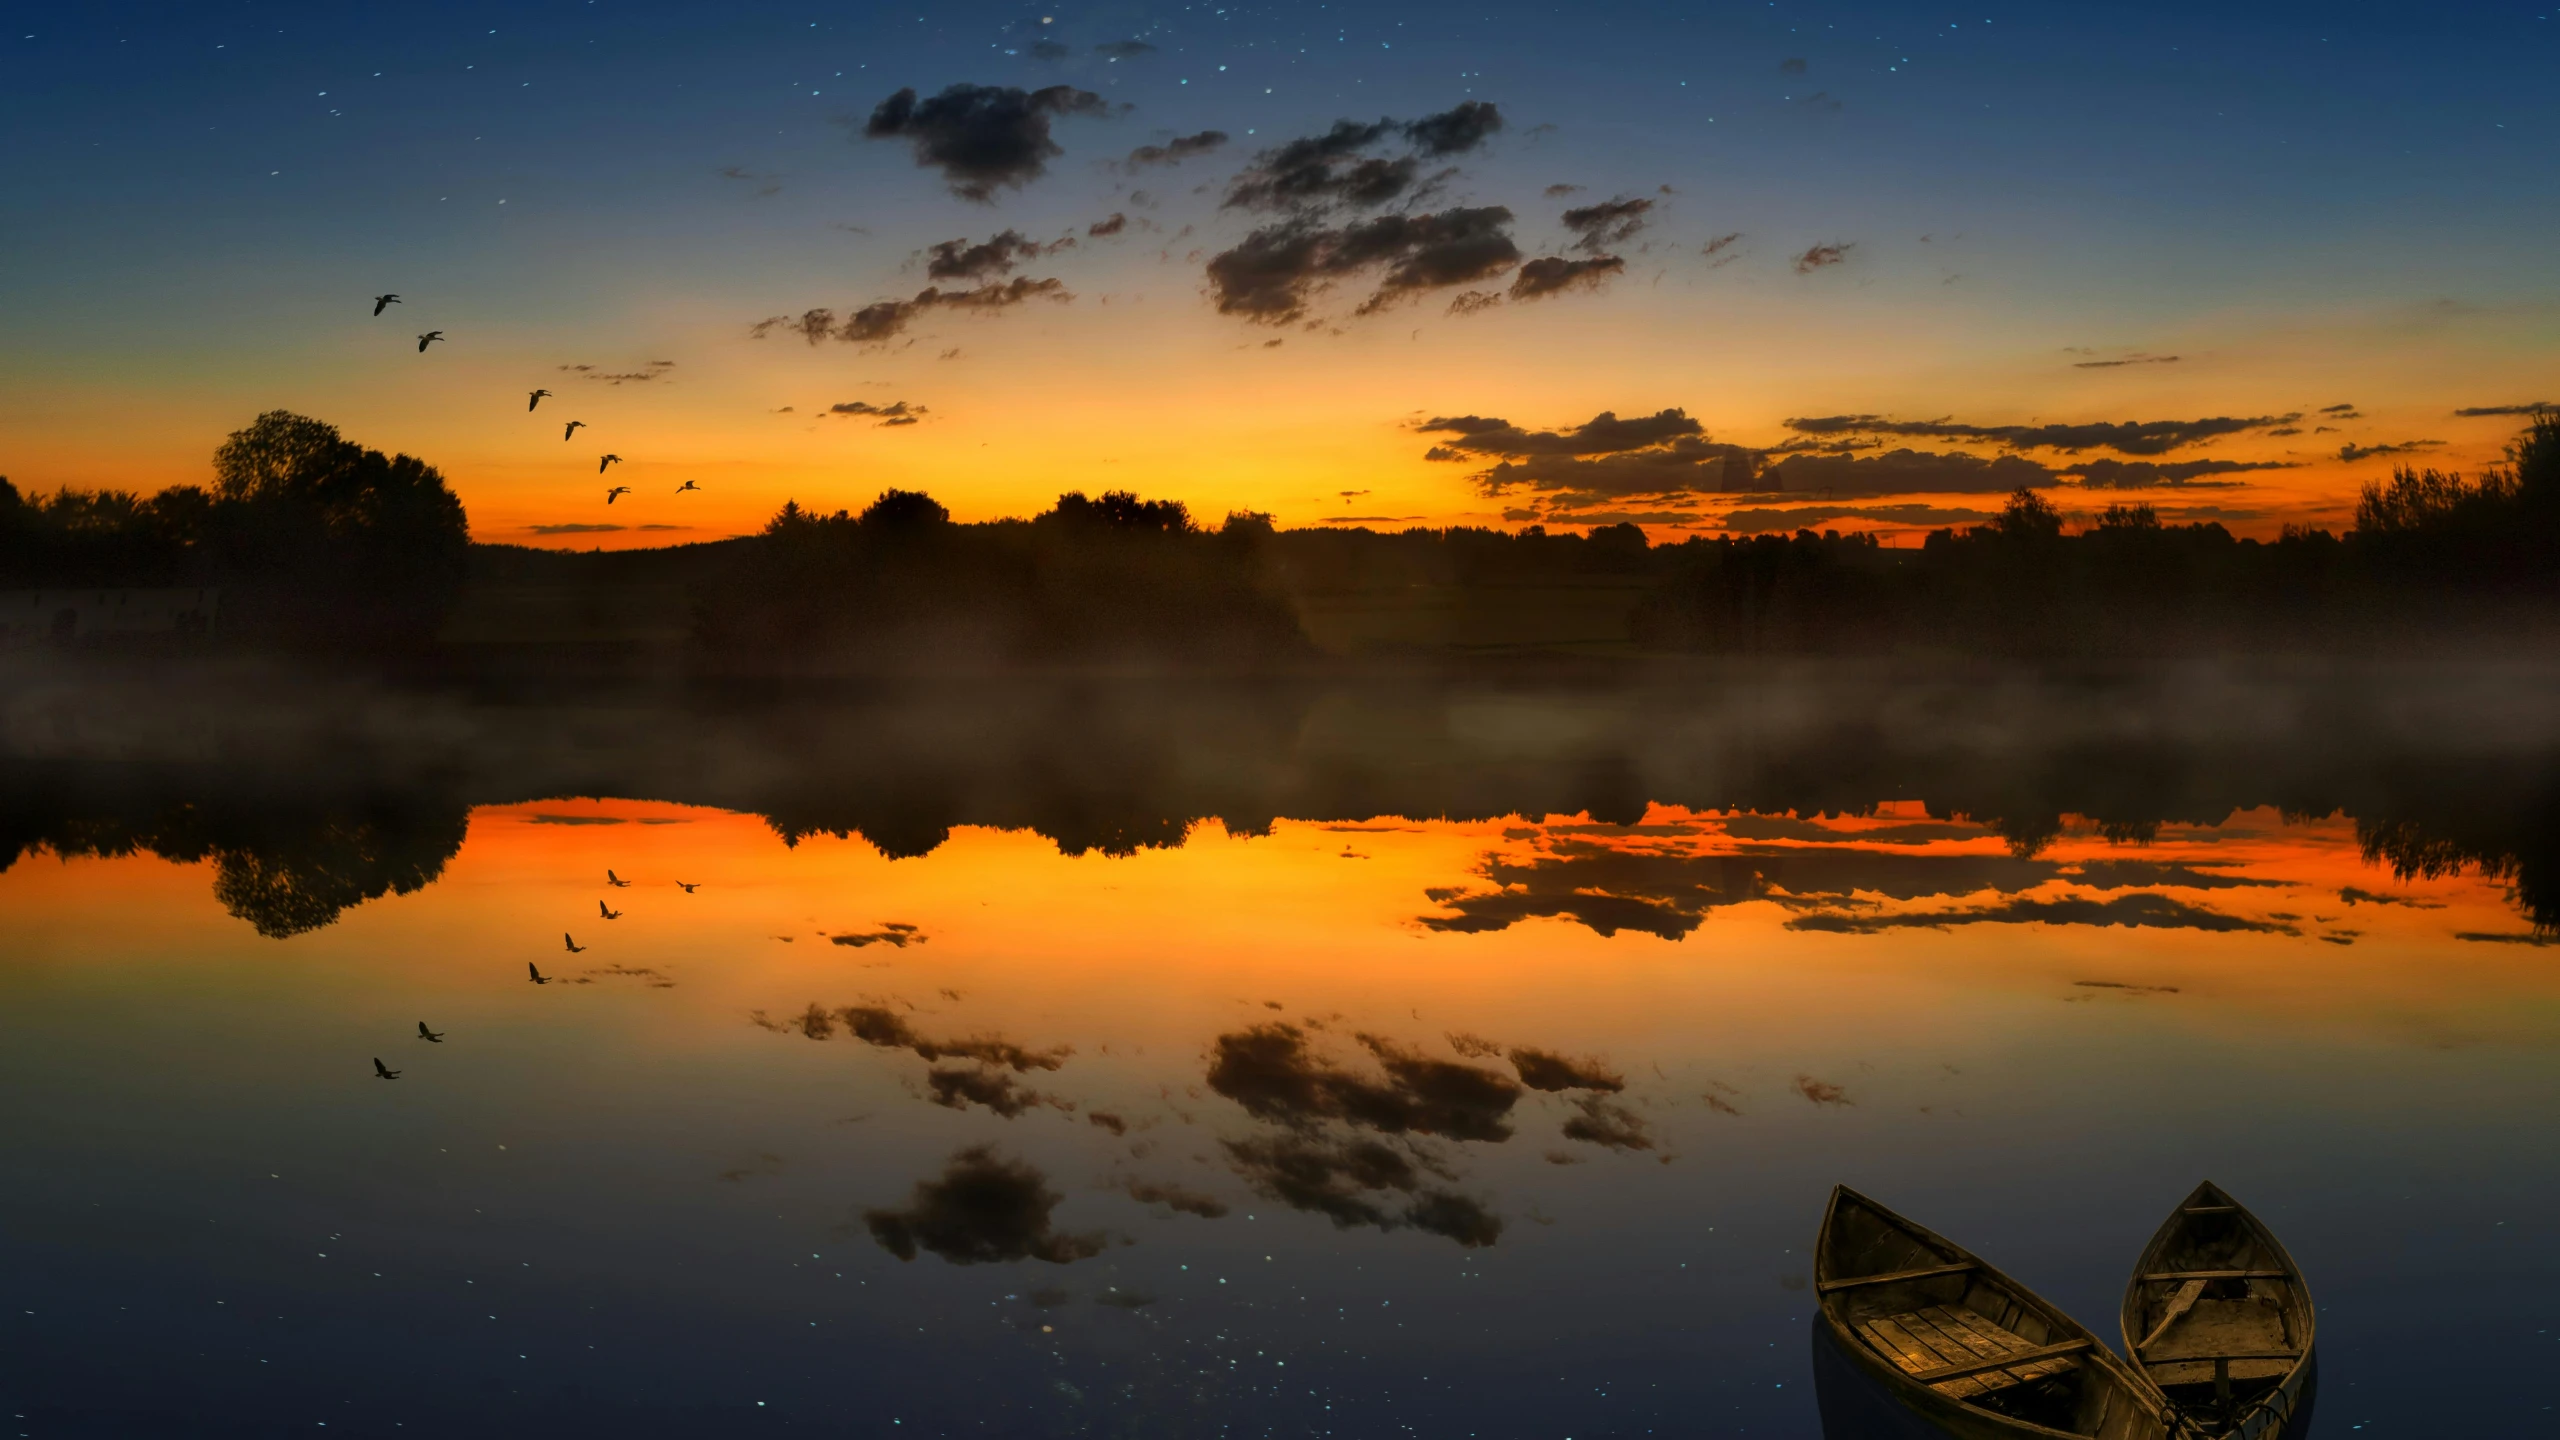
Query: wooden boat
x,y
2217,1319
1967,1349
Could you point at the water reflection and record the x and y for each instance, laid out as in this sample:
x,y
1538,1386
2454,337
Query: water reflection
x,y
1472,1060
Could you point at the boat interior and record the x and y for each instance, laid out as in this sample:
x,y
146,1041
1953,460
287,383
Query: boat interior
x,y
2217,1316
1950,1323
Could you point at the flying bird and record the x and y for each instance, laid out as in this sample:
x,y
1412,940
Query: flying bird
x,y
688,485
572,429
538,977
618,490
688,889
426,1034
607,911
381,300
608,460
574,947
384,1071
535,398
614,880
428,339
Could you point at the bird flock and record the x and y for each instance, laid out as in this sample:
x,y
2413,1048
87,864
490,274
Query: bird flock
x,y
533,401
532,970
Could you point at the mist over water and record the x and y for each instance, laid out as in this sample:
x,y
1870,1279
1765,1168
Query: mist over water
x,y
1152,1056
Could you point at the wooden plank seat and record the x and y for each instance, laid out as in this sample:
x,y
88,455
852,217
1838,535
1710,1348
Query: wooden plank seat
x,y
1895,1277
1961,1354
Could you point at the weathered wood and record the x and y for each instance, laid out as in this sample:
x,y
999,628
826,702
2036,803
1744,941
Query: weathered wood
x,y
1890,1277
2158,1276
2191,1346
2002,1362
2179,1305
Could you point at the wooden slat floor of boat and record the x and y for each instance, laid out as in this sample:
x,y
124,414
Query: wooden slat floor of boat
x,y
1940,1335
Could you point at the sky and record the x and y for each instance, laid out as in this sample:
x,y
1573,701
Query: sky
x,y
1710,268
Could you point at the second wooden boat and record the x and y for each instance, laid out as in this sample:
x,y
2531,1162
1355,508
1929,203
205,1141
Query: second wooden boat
x,y
1961,1346
2217,1318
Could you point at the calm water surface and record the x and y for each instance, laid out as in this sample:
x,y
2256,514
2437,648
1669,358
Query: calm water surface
x,y
1351,1123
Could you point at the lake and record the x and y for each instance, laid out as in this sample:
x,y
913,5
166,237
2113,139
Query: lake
x,y
1440,1059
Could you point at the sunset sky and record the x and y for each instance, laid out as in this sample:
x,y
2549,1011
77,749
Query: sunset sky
x,y
2233,261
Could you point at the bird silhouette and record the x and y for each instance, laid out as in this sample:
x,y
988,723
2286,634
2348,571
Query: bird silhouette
x,y
381,300
384,1071
688,889
574,947
426,1034
617,491
428,339
688,485
614,880
535,398
571,428
607,460
607,911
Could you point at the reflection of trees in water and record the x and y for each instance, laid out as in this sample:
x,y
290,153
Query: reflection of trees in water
x,y
286,867
2521,849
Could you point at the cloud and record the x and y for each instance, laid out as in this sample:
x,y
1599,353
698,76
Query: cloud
x,y
1792,65
1050,50
2141,910
884,320
1273,273
886,1029
1602,461
895,413
1551,275
1272,1072
1177,150
2475,412
1822,1092
1548,1071
2344,411
1817,256
1906,472
571,528
960,260
2352,452
1605,1122
1177,1198
1316,172
1555,192
651,371
983,1209
982,137
2127,360
2129,437
957,1088
1354,1182
1112,224
1610,222
1762,521
2145,474
1718,248
1469,302
1124,49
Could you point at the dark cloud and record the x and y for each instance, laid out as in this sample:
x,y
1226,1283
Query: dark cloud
x,y
2129,437
1356,1182
2353,452
1822,1092
653,370
1552,274
1759,520
571,528
2354,896
1822,100
982,137
1271,275
2141,910
1105,1120
1817,256
1113,224
1050,50
1546,1070
1602,434
1468,302
958,1088
960,260
1177,150
1718,248
1906,472
2146,474
895,413
880,1026
1611,222
884,320
2127,360
1177,1198
2475,412
1123,49
983,1209
1792,65
2343,411
1275,1075
1605,1122
1456,130
1556,192
1600,462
